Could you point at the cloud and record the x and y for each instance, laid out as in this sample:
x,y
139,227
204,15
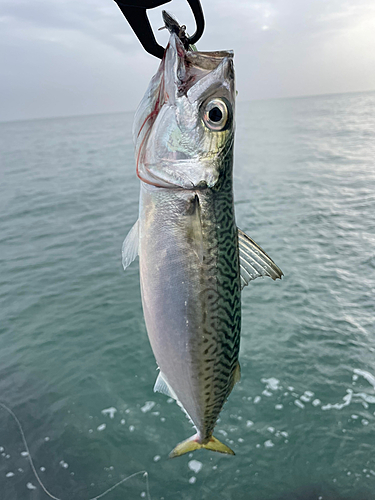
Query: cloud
x,y
68,57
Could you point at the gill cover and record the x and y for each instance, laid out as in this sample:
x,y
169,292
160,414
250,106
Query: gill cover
x,y
184,125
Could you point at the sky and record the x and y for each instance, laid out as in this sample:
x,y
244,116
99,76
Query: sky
x,y
70,57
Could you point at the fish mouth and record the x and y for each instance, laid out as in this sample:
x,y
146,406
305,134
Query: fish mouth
x,y
189,67
183,75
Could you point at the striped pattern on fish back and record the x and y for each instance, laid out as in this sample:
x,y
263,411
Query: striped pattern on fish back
x,y
220,298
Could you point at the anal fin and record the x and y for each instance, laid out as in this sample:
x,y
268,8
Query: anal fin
x,y
163,387
237,374
236,377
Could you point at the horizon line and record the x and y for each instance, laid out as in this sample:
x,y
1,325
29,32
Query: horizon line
x,y
133,111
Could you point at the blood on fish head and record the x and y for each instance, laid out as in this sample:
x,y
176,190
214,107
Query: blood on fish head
x,y
184,125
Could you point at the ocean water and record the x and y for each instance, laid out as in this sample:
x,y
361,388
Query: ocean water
x,y
75,363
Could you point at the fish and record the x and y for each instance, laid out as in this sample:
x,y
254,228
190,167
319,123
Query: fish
x,y
193,259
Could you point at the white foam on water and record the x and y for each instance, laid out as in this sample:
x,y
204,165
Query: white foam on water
x,y
1,449
24,454
366,397
192,480
224,433
272,383
240,440
195,466
364,421
366,375
257,399
298,403
10,474
316,402
157,458
271,429
131,428
46,438
148,406
30,486
268,444
123,421
101,427
63,464
338,406
42,469
267,393
249,423
305,398
143,494
109,411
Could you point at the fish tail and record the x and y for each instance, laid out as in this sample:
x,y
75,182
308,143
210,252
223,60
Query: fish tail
x,y
193,443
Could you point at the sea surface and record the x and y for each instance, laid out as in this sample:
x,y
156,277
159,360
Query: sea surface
x,y
76,366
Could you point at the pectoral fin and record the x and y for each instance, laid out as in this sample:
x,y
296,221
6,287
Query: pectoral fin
x,y
254,262
130,246
195,236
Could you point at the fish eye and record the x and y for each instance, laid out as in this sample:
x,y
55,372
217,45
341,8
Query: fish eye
x,y
216,114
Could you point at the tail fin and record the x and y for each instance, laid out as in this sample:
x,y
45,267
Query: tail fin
x,y
193,444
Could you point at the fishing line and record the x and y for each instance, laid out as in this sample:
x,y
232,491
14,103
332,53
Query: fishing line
x,y
145,473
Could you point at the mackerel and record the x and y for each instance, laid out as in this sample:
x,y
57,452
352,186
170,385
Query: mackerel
x,y
193,259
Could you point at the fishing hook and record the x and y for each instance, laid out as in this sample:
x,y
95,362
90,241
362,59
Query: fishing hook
x,y
136,15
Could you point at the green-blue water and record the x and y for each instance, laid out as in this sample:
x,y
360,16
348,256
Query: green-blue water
x,y
73,341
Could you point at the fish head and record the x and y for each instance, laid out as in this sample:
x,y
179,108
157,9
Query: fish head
x,y
184,126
